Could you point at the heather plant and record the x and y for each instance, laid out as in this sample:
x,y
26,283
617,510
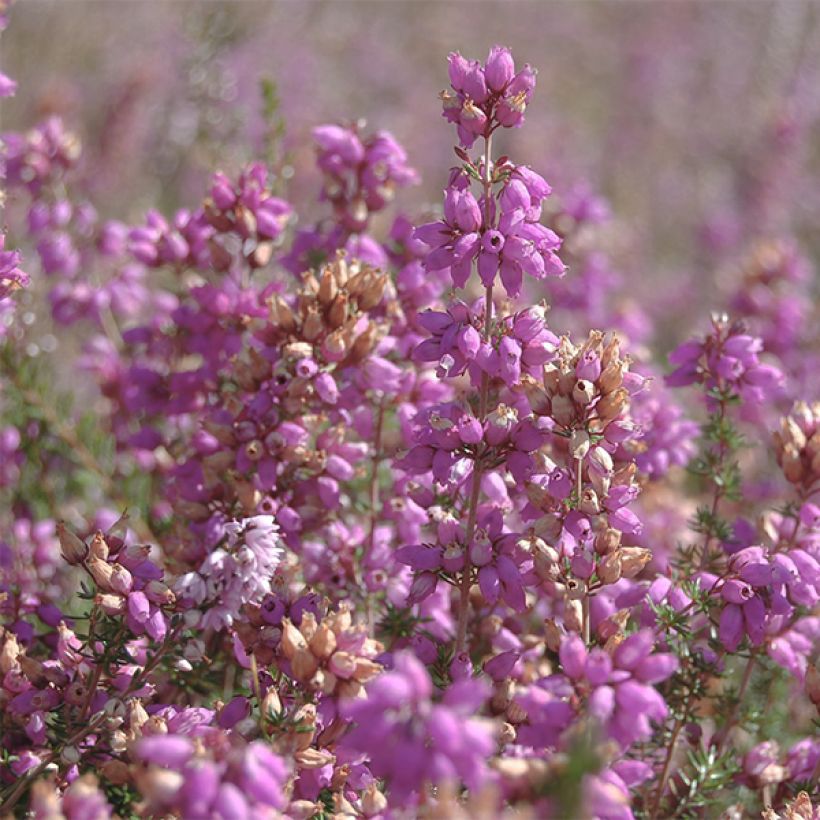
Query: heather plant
x,y
333,516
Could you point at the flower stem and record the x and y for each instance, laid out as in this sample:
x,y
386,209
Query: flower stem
x,y
475,489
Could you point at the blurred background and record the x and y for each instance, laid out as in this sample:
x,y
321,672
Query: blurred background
x,y
696,121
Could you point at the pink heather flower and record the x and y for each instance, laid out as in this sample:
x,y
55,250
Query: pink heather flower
x,y
486,97
726,360
237,573
413,741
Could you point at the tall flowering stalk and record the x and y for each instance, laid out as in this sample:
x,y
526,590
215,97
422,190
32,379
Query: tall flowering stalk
x,y
498,236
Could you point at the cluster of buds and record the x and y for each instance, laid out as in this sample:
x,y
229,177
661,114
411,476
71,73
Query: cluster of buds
x,y
127,581
486,97
521,343
325,325
237,220
34,691
726,362
449,439
587,390
249,210
182,241
361,172
41,156
331,656
501,237
492,552
580,493
797,446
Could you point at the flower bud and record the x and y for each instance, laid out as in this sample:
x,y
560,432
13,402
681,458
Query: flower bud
x,y
373,801
292,639
612,405
573,614
101,572
633,560
74,549
99,546
110,603
609,568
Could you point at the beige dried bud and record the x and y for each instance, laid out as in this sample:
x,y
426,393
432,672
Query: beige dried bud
x,y
338,312
612,405
99,547
342,664
313,324
576,589
245,220
609,568
328,288
292,639
323,642
607,540
507,734
101,572
73,548
137,716
10,654
281,314
314,758
372,293
341,620
602,459
260,255
304,726
373,801
118,741
303,664
611,378
271,703
793,433
633,560
366,670
364,344
110,603
579,444
573,614
160,593
308,626
566,382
